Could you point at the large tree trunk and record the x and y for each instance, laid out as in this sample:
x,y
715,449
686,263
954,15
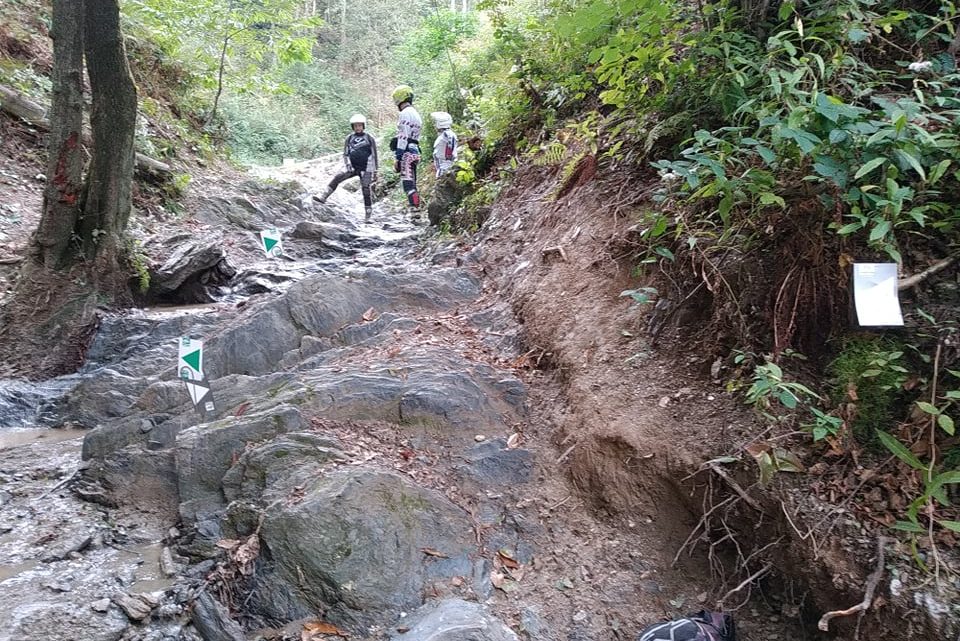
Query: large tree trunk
x,y
61,198
51,318
108,194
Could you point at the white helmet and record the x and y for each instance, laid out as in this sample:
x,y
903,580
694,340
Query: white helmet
x,y
358,118
442,120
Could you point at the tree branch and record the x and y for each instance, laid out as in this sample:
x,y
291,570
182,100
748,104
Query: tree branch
x,y
916,279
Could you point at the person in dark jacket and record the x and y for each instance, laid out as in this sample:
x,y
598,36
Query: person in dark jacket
x,y
359,159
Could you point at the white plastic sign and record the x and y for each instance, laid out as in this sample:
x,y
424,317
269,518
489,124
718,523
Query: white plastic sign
x,y
190,362
271,242
875,295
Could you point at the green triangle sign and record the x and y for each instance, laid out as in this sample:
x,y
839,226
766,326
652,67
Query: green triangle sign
x,y
193,359
270,243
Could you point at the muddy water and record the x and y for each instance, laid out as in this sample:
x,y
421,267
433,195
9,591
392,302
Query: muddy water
x,y
15,437
59,555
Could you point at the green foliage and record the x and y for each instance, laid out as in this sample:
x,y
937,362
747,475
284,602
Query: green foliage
x,y
255,36
25,80
807,108
310,120
641,296
871,370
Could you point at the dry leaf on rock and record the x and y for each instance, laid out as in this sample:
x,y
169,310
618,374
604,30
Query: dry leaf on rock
x,y
313,630
436,553
369,315
506,558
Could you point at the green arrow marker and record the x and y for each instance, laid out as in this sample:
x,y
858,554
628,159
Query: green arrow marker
x,y
269,243
193,360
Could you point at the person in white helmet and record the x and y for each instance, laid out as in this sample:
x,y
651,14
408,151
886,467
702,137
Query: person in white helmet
x,y
445,146
359,159
445,151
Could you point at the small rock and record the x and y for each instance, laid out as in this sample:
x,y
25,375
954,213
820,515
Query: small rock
x,y
101,605
479,438
167,566
664,401
58,587
136,607
580,616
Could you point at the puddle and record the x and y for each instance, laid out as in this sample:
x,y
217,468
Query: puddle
x,y
18,437
147,577
10,571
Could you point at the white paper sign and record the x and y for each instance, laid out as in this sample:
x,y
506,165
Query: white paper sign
x,y
271,242
875,295
190,361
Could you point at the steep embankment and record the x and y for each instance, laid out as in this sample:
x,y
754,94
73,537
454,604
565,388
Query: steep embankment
x,y
647,429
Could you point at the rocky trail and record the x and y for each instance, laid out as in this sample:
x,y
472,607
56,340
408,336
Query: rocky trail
x,y
383,460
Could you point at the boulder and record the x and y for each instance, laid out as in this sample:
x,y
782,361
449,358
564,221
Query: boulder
x,y
455,620
191,267
205,452
212,620
354,545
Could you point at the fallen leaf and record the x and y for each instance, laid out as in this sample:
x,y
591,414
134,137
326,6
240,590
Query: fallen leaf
x,y
436,553
497,579
322,627
227,544
247,553
369,315
514,441
507,560
242,409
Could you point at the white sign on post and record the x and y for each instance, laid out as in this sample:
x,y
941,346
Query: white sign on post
x,y
876,296
190,362
271,242
190,370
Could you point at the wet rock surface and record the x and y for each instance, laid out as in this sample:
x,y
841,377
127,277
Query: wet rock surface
x,y
367,465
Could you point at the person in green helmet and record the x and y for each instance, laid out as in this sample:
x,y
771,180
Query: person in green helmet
x,y
359,159
407,152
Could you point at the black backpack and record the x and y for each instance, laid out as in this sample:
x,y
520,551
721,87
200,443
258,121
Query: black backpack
x,y
702,626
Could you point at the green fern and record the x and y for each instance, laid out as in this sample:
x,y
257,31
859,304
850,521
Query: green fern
x,y
553,154
667,127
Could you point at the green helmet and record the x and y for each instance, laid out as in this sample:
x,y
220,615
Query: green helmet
x,y
402,94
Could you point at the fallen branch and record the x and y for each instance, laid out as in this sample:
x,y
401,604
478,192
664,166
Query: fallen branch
x,y
872,581
916,279
35,114
564,456
747,581
736,487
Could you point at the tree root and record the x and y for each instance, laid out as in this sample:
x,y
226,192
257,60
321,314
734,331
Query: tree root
x,y
872,581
